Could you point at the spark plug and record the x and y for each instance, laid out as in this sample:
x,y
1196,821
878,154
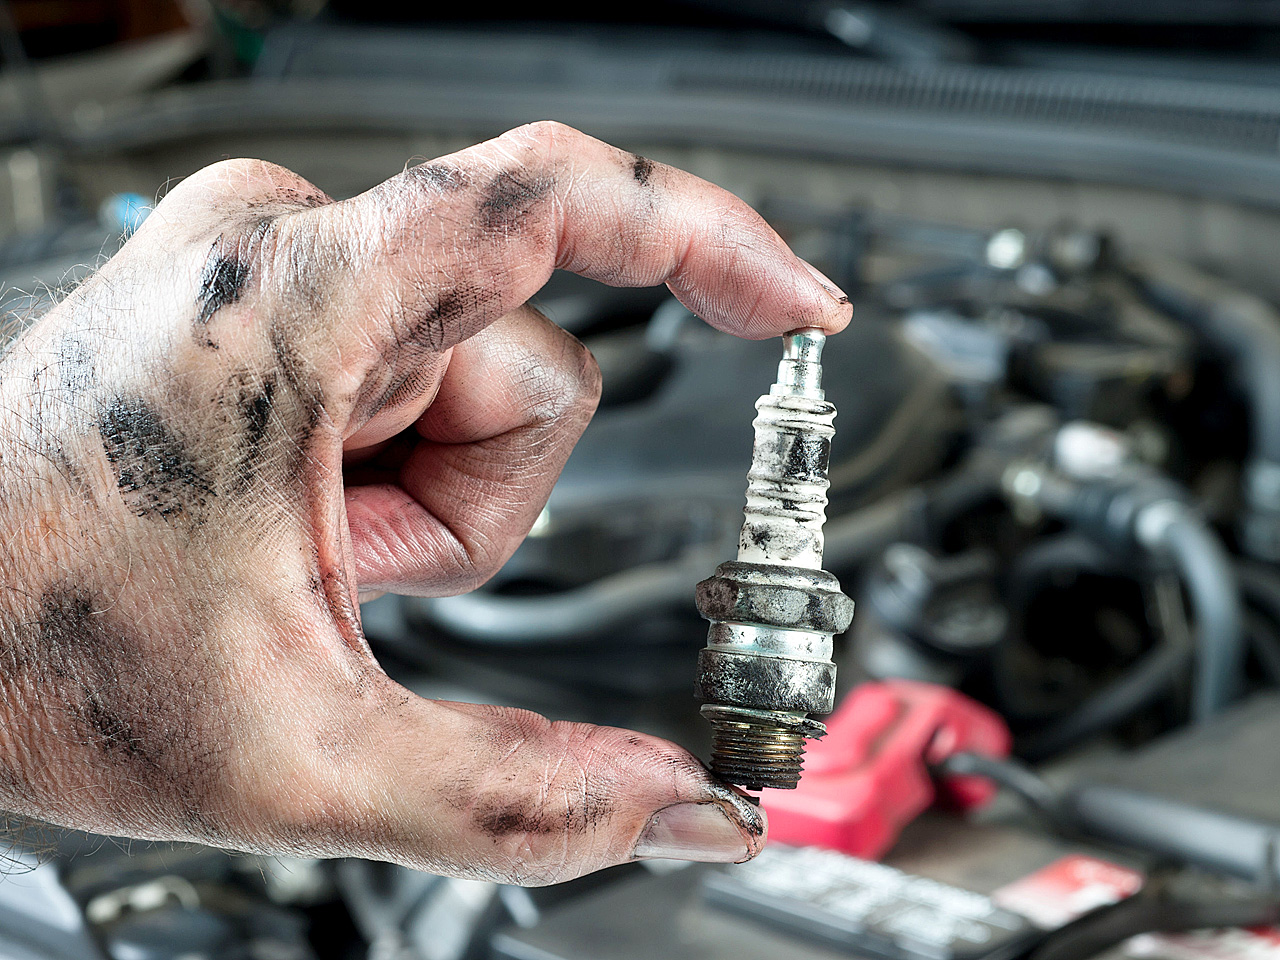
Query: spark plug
x,y
774,611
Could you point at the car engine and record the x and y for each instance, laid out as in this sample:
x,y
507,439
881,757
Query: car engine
x,y
1054,480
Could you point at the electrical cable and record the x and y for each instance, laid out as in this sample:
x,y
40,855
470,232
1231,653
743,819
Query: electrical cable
x,y
1014,776
1095,932
1222,842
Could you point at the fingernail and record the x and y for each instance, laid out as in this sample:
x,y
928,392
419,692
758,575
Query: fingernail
x,y
693,831
837,294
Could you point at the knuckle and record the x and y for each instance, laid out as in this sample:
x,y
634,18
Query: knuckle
x,y
590,380
477,571
563,387
246,182
546,134
473,561
230,176
583,384
574,395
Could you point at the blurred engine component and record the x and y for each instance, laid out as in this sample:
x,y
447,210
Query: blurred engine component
x,y
930,618
873,773
38,918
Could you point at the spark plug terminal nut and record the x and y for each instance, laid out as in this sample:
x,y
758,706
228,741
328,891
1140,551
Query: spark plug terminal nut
x,y
774,611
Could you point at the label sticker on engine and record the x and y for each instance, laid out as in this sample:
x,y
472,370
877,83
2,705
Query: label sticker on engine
x,y
870,907
1068,888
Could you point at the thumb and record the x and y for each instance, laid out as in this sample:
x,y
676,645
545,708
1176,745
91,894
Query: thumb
x,y
506,794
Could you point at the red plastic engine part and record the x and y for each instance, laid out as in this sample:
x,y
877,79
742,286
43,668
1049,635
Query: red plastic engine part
x,y
869,776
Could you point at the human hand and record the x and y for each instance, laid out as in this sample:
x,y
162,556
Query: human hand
x,y
268,402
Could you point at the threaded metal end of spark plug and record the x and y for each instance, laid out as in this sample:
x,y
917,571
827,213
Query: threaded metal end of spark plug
x,y
759,748
756,755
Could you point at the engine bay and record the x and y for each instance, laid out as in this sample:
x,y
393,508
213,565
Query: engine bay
x,y
1055,488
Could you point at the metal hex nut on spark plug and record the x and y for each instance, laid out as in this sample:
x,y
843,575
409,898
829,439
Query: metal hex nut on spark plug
x,y
779,596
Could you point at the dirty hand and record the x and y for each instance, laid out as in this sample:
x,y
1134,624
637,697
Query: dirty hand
x,y
269,402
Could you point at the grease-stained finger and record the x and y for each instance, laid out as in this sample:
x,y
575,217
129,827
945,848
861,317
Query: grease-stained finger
x,y
504,794
451,245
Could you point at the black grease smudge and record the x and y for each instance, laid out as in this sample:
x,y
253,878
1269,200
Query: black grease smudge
x,y
97,666
747,808
300,381
112,731
502,818
508,200
642,169
290,198
410,381
255,408
156,474
77,366
222,281
337,597
456,303
437,176
451,308
309,199
252,400
298,410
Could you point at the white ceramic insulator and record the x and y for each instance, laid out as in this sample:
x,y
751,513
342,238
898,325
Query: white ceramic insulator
x,y
787,484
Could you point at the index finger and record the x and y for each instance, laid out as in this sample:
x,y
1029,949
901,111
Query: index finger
x,y
451,245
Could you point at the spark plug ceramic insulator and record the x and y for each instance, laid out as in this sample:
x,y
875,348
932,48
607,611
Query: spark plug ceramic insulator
x,y
774,611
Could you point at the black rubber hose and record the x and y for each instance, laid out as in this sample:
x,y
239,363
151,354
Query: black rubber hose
x,y
1264,643
1260,588
1243,328
588,613
1210,579
1069,553
1014,776
582,615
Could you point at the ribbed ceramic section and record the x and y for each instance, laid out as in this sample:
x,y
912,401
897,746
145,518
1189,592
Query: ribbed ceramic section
x,y
787,483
